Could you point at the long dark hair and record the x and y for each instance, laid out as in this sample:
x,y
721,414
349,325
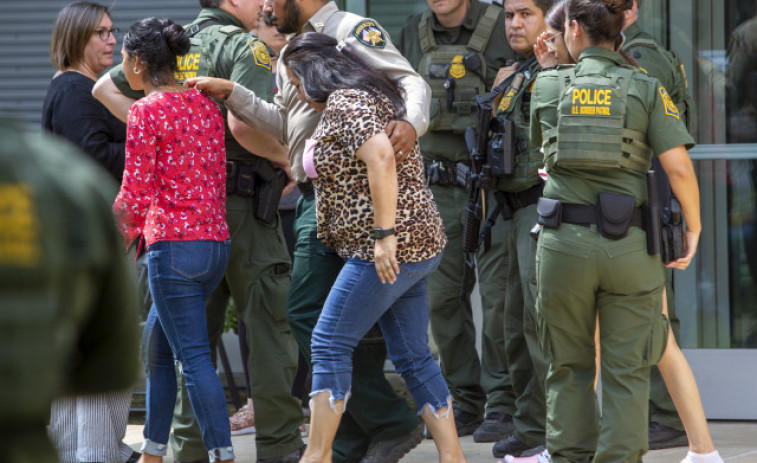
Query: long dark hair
x,y
157,42
601,19
322,68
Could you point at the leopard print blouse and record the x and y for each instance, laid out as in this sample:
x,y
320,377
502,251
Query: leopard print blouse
x,y
343,200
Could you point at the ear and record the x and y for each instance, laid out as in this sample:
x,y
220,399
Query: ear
x,y
577,30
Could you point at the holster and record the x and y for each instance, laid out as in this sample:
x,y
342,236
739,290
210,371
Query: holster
x,y
549,212
673,244
615,214
501,149
267,197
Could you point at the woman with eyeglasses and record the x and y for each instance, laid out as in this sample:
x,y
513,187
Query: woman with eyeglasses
x,y
92,427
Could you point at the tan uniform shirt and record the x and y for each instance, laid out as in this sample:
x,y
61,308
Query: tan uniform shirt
x,y
293,121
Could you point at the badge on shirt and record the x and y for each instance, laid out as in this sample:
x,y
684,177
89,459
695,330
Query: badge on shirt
x,y
260,52
368,33
457,68
670,108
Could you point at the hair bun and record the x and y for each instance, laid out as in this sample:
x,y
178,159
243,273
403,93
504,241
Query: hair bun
x,y
175,36
615,5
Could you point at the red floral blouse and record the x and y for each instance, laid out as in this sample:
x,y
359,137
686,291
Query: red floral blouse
x,y
174,183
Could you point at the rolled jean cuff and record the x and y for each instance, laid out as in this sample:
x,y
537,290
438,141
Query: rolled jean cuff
x,y
153,448
221,454
345,396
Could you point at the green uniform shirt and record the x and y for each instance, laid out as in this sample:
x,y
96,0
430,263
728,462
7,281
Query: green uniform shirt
x,y
68,322
450,146
515,105
649,59
223,50
648,110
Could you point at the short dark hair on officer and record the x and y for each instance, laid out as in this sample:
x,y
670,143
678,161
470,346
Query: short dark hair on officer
x,y
73,28
157,42
544,5
601,19
210,3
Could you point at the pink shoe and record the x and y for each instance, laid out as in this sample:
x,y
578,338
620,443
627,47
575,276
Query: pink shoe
x,y
243,421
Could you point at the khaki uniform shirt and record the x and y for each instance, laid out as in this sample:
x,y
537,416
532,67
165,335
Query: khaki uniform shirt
x,y
648,110
226,51
450,146
293,121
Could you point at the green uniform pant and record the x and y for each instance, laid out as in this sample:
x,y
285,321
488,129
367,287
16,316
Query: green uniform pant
x,y
525,360
474,384
581,275
374,412
258,278
661,407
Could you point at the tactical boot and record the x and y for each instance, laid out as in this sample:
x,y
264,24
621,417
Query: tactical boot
x,y
513,446
663,437
496,427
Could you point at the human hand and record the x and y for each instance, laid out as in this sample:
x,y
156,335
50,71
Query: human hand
x,y
402,136
545,51
212,86
692,240
504,73
385,259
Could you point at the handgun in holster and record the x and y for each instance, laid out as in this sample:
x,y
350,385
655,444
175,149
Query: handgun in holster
x,y
268,196
501,148
673,244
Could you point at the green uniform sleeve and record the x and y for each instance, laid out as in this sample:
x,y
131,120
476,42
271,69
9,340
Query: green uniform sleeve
x,y
653,64
244,59
666,129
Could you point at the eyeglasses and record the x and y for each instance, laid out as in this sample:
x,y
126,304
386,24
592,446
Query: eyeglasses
x,y
550,40
105,34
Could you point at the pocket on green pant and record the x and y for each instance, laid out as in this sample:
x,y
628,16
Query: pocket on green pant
x,y
658,340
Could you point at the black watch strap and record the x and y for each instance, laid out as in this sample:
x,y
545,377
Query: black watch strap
x,y
380,233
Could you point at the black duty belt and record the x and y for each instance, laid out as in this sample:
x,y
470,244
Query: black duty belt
x,y
524,198
305,187
588,214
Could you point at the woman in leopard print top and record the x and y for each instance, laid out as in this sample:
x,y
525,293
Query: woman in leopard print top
x,y
382,219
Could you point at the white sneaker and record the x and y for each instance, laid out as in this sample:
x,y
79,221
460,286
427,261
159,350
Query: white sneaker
x,y
542,457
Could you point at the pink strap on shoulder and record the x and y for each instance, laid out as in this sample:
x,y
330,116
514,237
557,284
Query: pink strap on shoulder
x,y
307,158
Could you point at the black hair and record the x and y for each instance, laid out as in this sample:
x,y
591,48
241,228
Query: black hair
x,y
157,42
601,19
543,5
322,68
555,17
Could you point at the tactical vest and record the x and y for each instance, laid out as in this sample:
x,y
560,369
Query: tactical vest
x,y
590,130
515,106
679,94
197,61
453,109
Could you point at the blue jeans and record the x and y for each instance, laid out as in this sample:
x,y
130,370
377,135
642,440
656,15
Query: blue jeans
x,y
356,302
182,275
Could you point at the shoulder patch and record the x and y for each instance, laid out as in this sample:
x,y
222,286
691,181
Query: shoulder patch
x,y
670,108
369,33
260,52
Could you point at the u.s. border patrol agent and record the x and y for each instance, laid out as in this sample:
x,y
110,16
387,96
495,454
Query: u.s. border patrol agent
x,y
258,273
68,323
442,56
520,191
665,66
376,415
599,124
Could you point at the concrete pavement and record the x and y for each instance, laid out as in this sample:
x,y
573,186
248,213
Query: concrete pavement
x,y
736,442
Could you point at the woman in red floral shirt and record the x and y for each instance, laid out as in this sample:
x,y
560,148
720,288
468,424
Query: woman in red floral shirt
x,y
174,194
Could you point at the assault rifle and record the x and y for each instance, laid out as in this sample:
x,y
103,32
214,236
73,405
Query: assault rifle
x,y
481,175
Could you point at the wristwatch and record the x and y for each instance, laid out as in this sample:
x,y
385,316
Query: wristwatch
x,y
381,233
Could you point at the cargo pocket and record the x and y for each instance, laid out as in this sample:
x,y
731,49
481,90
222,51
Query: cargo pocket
x,y
658,340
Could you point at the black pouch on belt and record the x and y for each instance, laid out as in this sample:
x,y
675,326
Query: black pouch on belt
x,y
549,212
615,215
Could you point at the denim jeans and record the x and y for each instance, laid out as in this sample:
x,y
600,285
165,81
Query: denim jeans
x,y
356,302
182,275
